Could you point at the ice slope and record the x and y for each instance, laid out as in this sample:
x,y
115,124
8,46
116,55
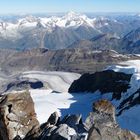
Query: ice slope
x,y
124,69
133,63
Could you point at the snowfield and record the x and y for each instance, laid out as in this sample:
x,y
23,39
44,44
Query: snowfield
x,y
57,81
133,63
47,102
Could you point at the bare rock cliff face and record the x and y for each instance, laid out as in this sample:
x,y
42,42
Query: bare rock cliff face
x,y
17,115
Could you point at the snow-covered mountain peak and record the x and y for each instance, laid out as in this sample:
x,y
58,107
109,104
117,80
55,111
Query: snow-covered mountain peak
x,y
73,19
72,14
31,18
70,20
28,21
28,18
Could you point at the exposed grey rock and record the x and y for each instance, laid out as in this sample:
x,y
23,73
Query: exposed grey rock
x,y
64,132
101,132
73,120
104,125
47,132
103,113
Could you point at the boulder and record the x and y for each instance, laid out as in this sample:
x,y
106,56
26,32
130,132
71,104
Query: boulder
x,y
17,115
103,113
102,124
64,132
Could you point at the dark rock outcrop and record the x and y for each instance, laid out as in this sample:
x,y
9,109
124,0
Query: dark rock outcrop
x,y
24,84
105,81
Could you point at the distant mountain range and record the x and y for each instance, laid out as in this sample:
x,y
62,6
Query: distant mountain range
x,y
79,60
127,44
65,31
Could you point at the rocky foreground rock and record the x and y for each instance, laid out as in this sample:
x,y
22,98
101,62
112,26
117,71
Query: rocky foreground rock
x,y
102,124
17,115
18,121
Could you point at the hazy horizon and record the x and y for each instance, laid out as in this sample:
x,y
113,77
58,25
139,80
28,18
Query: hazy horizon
x,y
62,6
63,13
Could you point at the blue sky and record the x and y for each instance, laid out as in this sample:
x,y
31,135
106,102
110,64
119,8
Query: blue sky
x,y
43,6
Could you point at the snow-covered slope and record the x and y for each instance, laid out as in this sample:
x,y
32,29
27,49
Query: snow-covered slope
x,y
47,102
57,81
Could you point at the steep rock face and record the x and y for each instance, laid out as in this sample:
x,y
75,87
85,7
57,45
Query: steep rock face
x,y
104,124
17,116
105,81
131,42
100,42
